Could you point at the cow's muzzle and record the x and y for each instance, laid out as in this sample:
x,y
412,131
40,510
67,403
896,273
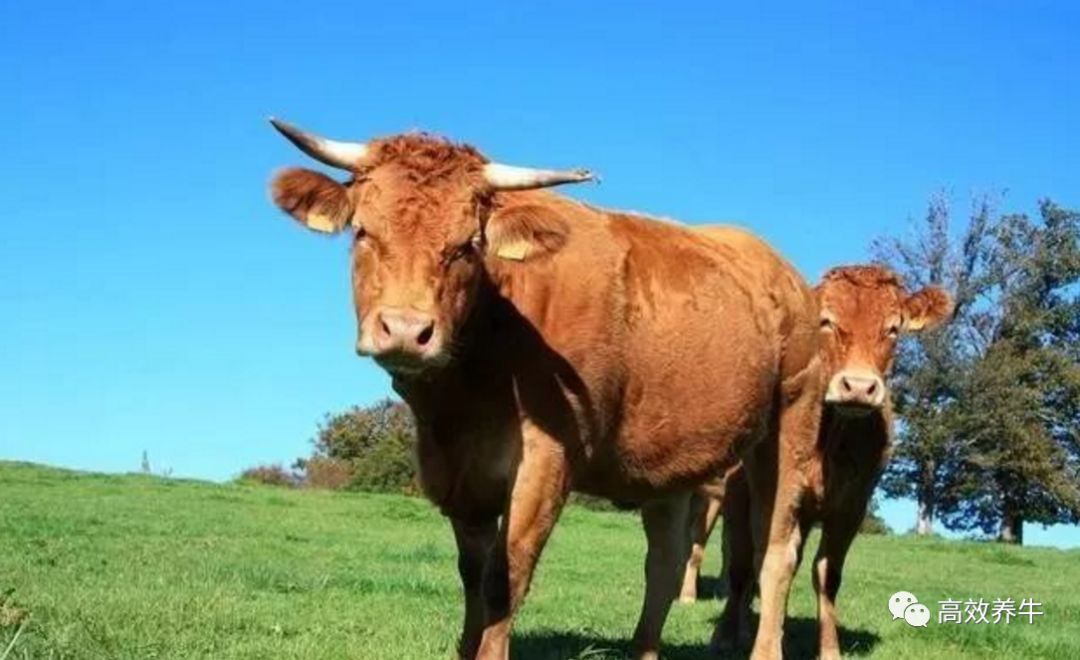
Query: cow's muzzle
x,y
856,389
402,340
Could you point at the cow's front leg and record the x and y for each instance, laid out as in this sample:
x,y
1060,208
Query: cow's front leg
x,y
536,498
474,542
668,538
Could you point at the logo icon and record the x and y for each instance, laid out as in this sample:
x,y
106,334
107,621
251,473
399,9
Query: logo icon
x,y
904,605
917,615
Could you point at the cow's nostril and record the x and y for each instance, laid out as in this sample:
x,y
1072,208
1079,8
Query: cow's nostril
x,y
845,384
425,335
873,388
385,328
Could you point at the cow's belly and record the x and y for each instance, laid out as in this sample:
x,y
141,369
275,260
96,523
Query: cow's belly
x,y
680,426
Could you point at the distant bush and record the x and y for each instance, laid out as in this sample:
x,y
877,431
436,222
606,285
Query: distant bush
x,y
368,448
327,473
269,475
873,523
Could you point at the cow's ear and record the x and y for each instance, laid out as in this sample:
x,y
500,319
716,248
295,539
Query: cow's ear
x,y
927,308
316,200
525,232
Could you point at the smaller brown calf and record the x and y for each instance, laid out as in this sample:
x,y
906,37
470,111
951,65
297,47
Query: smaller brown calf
x,y
863,311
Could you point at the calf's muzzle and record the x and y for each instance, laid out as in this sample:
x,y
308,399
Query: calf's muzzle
x,y
856,388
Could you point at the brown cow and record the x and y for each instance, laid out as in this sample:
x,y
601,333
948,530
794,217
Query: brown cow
x,y
863,311
546,346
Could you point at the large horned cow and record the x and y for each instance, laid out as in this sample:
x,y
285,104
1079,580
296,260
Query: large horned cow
x,y
546,346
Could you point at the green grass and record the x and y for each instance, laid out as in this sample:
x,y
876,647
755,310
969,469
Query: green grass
x,y
104,566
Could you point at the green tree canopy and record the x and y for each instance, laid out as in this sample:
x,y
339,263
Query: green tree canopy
x,y
990,404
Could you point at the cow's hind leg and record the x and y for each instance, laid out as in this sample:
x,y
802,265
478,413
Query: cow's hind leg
x,y
704,511
781,476
474,542
740,574
668,538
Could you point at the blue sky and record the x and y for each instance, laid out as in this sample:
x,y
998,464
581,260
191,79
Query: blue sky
x,y
153,299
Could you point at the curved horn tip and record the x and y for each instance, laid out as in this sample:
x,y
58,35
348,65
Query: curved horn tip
x,y
343,155
283,127
587,175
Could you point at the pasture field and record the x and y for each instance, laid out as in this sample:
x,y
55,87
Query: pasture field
x,y
129,566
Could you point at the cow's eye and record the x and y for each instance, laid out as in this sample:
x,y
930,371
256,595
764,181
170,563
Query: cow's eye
x,y
461,251
359,235
893,331
827,324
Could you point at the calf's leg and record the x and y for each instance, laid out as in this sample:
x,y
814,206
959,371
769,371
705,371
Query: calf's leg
x,y
837,535
474,542
536,499
704,511
667,535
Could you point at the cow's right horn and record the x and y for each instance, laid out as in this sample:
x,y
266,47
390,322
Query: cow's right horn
x,y
343,155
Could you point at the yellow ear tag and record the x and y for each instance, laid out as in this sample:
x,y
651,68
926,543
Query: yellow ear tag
x,y
320,222
515,250
916,324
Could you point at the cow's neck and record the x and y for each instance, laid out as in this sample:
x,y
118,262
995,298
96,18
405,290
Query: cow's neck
x,y
855,437
852,452
467,418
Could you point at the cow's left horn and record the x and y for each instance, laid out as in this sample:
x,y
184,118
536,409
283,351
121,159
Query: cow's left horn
x,y
344,155
508,177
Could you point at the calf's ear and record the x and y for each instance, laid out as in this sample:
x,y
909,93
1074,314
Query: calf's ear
x,y
524,232
317,201
927,308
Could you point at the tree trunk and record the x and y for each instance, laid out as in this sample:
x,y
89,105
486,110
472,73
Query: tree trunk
x,y
1012,528
924,521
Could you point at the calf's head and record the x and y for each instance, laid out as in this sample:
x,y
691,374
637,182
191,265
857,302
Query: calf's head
x,y
863,311
424,216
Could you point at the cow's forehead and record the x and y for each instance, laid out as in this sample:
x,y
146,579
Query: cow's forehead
x,y
861,301
424,162
392,201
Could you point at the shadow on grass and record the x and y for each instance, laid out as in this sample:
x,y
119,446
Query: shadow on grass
x,y
710,588
801,639
800,642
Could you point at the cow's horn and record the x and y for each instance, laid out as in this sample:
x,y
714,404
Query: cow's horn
x,y
344,155
508,177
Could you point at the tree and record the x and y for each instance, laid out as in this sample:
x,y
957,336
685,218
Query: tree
x,y
989,404
926,378
1020,417
365,448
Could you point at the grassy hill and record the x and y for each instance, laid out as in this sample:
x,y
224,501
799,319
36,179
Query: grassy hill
x,y
104,566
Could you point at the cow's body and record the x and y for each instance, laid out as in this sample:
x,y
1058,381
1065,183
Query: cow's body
x,y
647,358
603,345
560,348
835,477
